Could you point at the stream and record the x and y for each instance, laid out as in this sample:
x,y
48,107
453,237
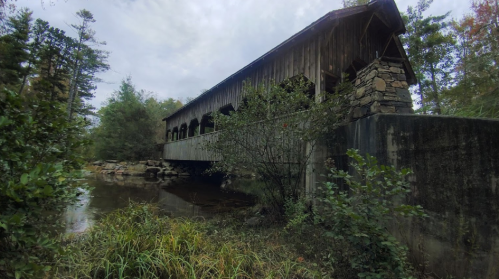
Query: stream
x,y
178,197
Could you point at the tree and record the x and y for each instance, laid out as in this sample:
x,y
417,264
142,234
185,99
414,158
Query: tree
x,y
130,123
14,48
86,63
273,134
352,3
477,76
39,160
157,110
430,49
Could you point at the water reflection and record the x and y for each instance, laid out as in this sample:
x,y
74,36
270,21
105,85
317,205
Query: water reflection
x,y
188,197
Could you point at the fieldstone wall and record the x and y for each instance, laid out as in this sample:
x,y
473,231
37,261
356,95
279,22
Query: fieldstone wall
x,y
380,87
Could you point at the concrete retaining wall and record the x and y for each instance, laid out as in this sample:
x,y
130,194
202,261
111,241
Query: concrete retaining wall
x,y
456,176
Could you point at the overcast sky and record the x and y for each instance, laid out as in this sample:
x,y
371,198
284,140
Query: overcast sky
x,y
177,48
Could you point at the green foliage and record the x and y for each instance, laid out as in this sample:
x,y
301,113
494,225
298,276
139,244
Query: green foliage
x,y
476,90
429,47
354,213
353,3
86,62
136,242
272,134
157,111
38,59
13,47
37,171
129,124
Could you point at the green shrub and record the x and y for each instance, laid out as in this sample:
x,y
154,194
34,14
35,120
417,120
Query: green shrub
x,y
37,163
353,213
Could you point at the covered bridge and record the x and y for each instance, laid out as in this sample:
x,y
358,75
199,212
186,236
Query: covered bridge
x,y
342,41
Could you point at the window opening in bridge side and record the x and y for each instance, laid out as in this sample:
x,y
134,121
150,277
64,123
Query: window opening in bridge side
x,y
175,134
226,110
183,131
207,124
193,128
294,82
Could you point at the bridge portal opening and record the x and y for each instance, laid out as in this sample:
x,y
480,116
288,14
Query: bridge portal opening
x,y
207,124
183,131
193,128
351,72
175,134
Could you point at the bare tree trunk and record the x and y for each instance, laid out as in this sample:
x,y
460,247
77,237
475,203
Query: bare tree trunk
x,y
436,99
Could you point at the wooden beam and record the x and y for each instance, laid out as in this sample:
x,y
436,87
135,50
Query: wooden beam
x,y
331,74
388,25
365,28
328,38
390,38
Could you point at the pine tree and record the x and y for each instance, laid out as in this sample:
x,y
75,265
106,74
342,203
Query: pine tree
x,y
14,48
429,46
87,62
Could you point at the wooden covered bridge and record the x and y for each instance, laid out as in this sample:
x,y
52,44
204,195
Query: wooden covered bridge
x,y
361,41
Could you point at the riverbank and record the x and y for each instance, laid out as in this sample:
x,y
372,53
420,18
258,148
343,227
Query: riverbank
x,y
140,242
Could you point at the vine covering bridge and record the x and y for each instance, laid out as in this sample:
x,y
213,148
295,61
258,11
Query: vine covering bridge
x,y
360,41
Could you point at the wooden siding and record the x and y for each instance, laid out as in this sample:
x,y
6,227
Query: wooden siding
x,y
190,149
341,41
331,49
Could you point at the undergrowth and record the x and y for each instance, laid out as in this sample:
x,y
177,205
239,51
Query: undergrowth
x,y
138,242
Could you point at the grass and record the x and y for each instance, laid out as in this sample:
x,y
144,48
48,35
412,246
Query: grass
x,y
138,242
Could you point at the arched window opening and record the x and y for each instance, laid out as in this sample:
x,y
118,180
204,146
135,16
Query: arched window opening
x,y
175,134
194,128
183,131
295,81
207,125
227,109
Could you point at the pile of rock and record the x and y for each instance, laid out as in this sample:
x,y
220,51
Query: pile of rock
x,y
148,168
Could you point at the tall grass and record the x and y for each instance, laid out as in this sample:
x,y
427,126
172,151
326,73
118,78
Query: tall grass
x,y
136,242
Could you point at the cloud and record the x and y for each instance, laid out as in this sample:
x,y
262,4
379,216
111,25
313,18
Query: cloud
x,y
178,48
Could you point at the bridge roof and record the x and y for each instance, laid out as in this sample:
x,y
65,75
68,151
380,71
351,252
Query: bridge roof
x,y
388,7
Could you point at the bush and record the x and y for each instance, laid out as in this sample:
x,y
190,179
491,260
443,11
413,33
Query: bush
x,y
273,133
37,163
353,213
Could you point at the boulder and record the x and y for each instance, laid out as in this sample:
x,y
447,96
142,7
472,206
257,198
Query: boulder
x,y
153,169
152,163
97,163
112,161
109,166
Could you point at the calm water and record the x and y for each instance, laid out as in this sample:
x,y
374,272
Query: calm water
x,y
187,197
